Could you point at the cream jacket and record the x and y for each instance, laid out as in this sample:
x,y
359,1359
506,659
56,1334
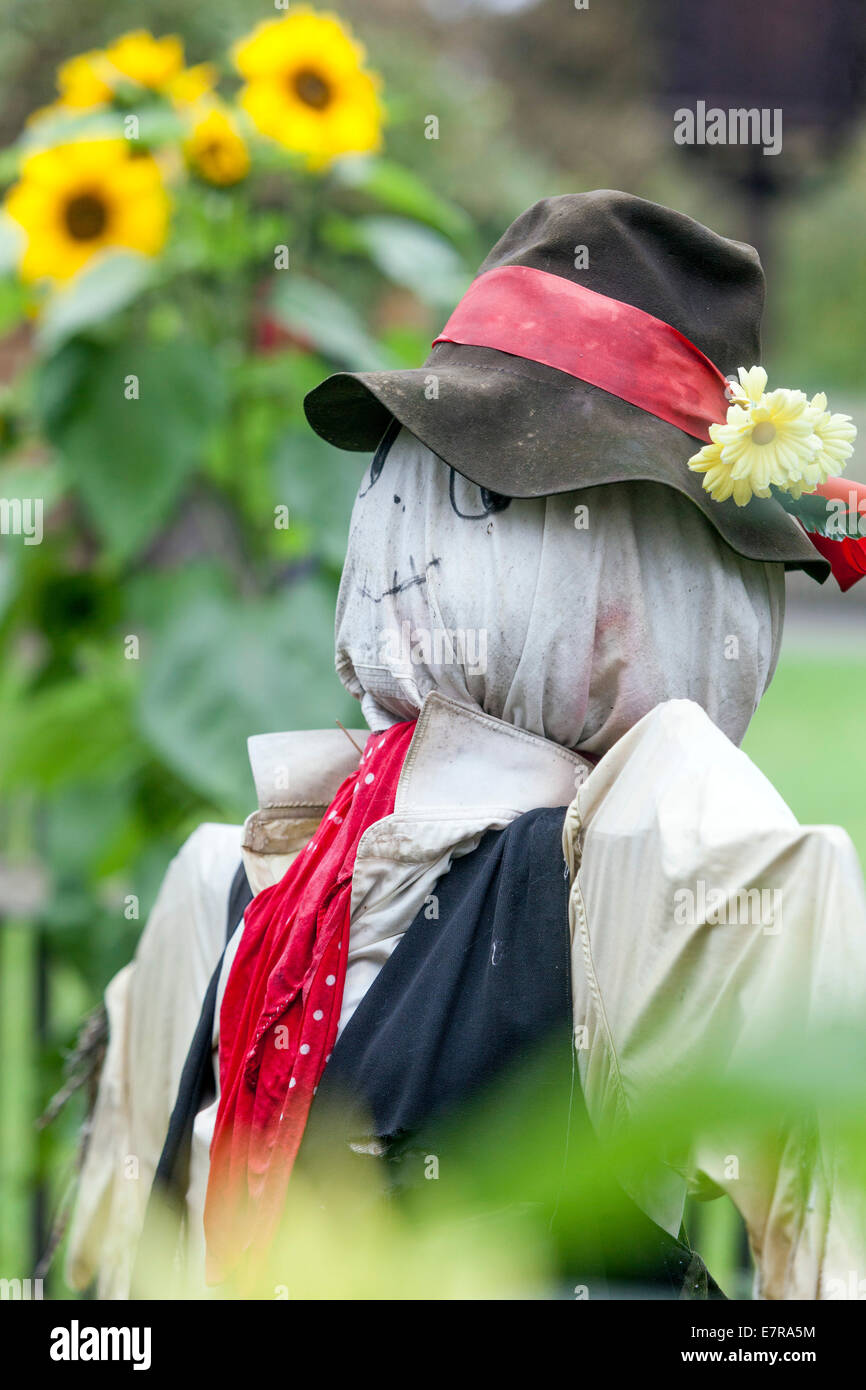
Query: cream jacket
x,y
700,912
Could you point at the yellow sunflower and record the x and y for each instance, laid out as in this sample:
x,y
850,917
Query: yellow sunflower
x,y
78,199
85,80
306,87
141,58
192,84
216,148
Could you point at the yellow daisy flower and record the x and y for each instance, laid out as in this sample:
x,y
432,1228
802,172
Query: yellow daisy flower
x,y
836,433
750,386
78,199
84,81
777,438
216,148
717,476
148,61
770,442
306,87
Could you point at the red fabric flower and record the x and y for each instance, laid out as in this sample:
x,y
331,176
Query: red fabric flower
x,y
280,1012
847,557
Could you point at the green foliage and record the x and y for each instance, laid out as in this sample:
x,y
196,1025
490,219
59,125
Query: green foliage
x,y
400,191
319,484
224,668
183,595
41,745
408,254
317,316
101,290
131,421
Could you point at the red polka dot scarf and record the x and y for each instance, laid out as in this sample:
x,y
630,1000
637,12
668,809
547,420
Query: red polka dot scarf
x,y
279,1017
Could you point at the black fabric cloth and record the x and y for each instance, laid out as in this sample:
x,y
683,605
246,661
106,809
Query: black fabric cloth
x,y
461,1051
463,1046
467,991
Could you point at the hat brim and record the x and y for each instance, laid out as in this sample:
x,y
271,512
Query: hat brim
x,y
525,430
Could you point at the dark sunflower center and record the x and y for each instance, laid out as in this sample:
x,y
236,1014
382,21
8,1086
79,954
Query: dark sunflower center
x,y
312,88
85,217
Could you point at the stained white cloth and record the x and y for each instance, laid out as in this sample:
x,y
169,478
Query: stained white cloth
x,y
570,616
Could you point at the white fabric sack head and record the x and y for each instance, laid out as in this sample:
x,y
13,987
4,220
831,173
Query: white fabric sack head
x,y
570,616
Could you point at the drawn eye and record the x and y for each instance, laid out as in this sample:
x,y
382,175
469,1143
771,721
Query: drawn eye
x,y
494,501
490,501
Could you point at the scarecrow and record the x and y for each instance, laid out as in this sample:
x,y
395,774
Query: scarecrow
x,y
562,602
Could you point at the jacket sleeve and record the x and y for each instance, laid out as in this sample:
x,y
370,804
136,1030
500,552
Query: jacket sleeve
x,y
153,1006
709,930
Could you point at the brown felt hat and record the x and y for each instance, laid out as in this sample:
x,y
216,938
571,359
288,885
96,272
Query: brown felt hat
x,y
523,429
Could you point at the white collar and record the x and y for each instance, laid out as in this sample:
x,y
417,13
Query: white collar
x,y
460,761
459,757
464,759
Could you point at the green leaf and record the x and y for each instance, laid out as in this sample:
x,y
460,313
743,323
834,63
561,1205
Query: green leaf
x,y
129,457
11,243
820,516
59,381
318,484
221,669
10,160
158,124
82,821
103,289
19,479
10,569
14,303
401,191
323,320
60,734
416,257
60,125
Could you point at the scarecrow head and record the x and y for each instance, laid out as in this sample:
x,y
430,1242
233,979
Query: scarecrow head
x,y
584,502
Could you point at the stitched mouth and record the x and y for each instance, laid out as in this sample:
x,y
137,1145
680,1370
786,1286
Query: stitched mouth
x,y
400,586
